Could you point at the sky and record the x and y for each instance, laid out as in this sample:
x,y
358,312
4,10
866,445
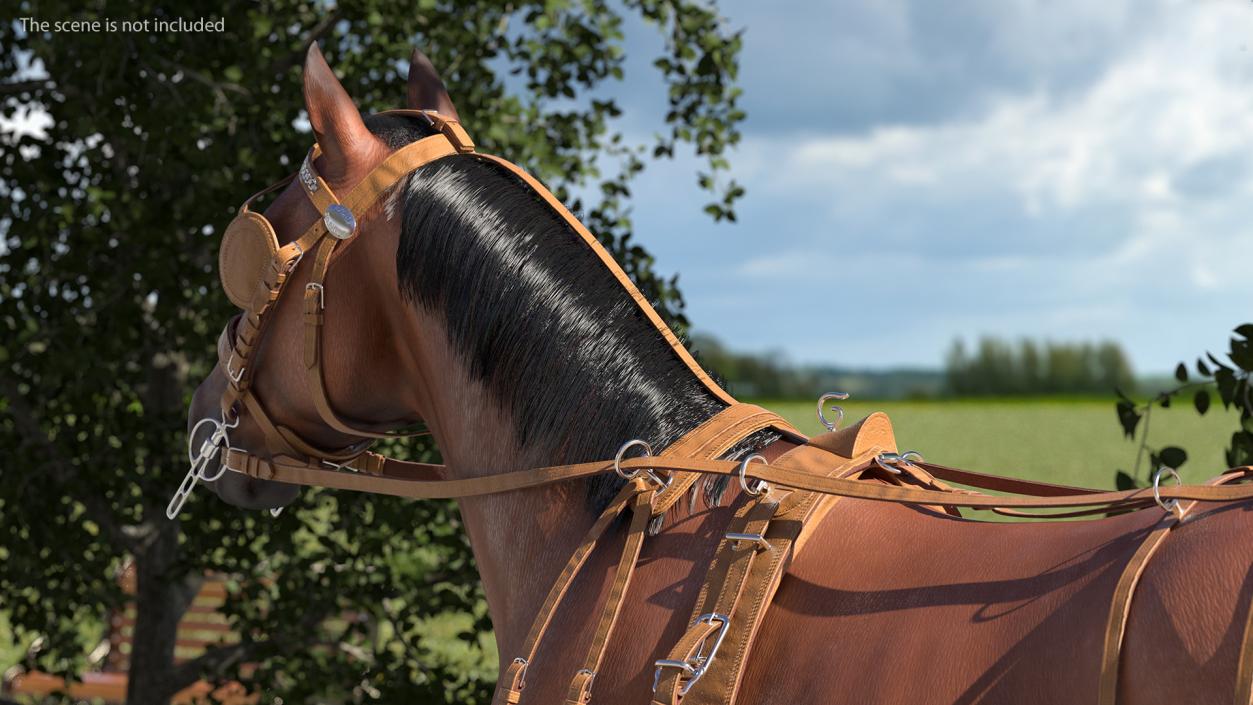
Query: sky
x,y
921,171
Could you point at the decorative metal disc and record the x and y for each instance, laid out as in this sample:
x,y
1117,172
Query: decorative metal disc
x,y
339,221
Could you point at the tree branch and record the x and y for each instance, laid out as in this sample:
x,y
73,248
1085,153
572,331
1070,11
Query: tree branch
x,y
37,84
63,471
280,66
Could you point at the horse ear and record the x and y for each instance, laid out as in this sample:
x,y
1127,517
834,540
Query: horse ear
x,y
426,90
336,122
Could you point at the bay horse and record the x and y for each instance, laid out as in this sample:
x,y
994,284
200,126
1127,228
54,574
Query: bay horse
x,y
469,305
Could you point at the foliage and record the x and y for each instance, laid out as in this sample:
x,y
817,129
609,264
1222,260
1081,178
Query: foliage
x,y
999,368
109,308
1228,378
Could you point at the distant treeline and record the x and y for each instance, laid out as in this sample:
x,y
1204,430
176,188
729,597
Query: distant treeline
x,y
991,368
998,368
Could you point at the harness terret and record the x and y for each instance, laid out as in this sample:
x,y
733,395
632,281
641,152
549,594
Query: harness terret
x,y
786,498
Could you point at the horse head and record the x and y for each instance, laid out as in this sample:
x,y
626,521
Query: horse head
x,y
369,369
455,291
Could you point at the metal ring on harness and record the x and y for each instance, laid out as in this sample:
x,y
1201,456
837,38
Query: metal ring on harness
x,y
648,452
830,396
758,487
888,460
1170,505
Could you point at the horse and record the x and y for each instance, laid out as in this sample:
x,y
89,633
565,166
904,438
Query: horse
x,y
468,305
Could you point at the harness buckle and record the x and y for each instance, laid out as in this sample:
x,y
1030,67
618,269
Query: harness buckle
x,y
235,376
695,666
888,460
311,286
762,543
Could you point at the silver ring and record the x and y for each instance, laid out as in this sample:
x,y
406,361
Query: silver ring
x,y
1170,505
617,459
222,468
822,400
758,487
199,462
191,437
662,484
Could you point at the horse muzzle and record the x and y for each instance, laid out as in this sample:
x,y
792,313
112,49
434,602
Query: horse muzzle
x,y
208,437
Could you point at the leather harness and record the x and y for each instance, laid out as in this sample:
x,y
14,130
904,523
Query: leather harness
x,y
788,499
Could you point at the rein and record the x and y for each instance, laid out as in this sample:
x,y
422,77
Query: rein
x,y
788,496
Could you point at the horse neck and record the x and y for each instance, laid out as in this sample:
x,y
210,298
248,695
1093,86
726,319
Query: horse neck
x,y
521,539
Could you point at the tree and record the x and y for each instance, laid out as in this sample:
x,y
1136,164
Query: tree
x,y
999,368
109,307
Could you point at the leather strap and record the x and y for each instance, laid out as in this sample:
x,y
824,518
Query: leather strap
x,y
515,674
1244,666
580,691
717,601
1120,608
710,439
395,478
743,577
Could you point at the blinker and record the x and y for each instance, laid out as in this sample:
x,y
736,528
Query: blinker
x,y
339,221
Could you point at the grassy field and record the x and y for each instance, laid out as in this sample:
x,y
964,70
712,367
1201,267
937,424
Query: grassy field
x,y
1070,441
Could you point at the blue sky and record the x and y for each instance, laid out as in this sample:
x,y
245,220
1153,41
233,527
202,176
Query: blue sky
x,y
919,171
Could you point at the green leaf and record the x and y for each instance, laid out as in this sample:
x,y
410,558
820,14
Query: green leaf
x,y
1225,381
1181,373
1201,401
1172,457
1123,481
1128,417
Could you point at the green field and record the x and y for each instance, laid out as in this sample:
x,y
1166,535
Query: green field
x,y
1069,441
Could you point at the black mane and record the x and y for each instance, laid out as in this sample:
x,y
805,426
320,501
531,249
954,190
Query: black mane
x,y
535,316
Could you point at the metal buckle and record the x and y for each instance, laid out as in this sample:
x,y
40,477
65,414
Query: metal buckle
x,y
887,460
294,261
235,376
762,543
321,293
698,663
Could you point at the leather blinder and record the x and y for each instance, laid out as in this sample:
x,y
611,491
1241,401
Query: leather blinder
x,y
249,248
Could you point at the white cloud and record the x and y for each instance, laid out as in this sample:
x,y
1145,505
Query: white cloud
x,y
1177,103
1073,170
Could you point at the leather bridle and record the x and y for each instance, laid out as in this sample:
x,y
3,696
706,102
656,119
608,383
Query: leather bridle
x,y
787,498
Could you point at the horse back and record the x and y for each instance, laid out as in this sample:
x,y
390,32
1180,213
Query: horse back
x,y
898,604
